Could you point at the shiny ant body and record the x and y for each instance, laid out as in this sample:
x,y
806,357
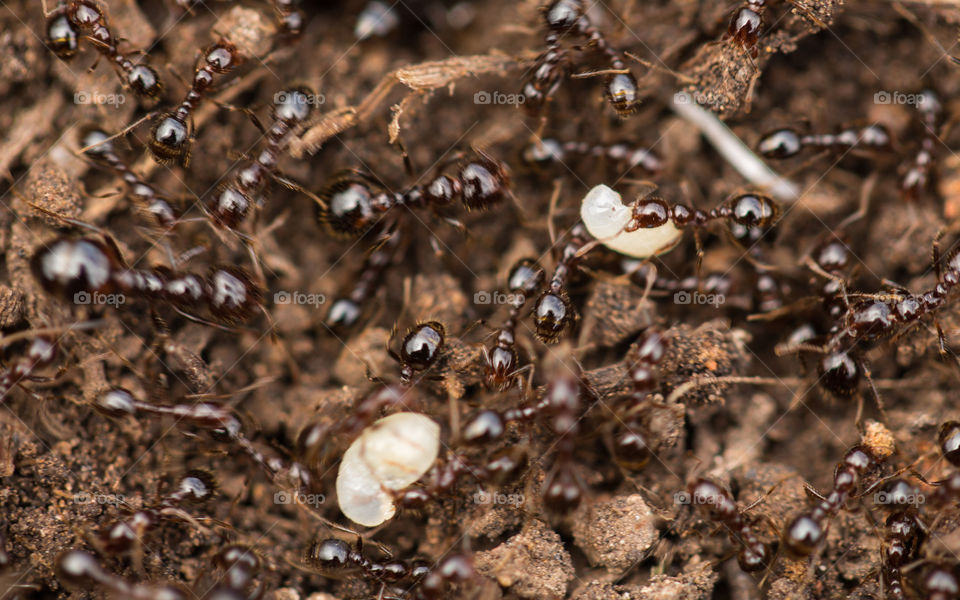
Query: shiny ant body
x,y
101,149
233,202
744,27
171,135
903,533
71,19
78,269
567,18
551,150
553,312
40,353
502,370
917,178
631,444
355,202
786,143
754,554
346,310
336,559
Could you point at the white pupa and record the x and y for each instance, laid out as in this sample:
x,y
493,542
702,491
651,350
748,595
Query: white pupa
x,y
604,215
388,455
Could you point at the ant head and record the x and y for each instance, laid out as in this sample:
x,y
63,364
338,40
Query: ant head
x,y
195,486
330,557
503,362
422,344
230,206
561,16
294,105
623,93
68,267
170,139
650,212
839,374
832,255
631,447
949,440
552,314
62,37
116,403
752,216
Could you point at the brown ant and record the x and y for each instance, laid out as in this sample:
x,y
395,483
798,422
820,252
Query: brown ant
x,y
806,531
79,269
40,353
100,148
354,202
744,28
525,278
336,559
556,151
553,312
347,309
419,350
754,554
567,17
903,534
123,535
171,135
81,570
917,177
786,143
233,203
631,445
66,22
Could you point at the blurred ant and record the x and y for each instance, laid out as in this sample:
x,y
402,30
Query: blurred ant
x,y
64,26
524,280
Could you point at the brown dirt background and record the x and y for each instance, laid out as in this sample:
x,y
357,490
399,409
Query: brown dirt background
x,y
629,539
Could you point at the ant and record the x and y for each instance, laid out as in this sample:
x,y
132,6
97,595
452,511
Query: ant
x,y
556,151
807,530
76,269
81,570
875,317
336,559
631,447
289,17
917,177
292,107
40,353
69,19
119,537
346,310
904,533
744,27
419,350
717,502
553,311
171,135
567,17
352,204
208,415
100,148
525,278
786,143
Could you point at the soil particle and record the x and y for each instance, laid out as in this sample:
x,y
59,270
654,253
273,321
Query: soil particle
x,y
250,30
533,563
695,582
710,350
50,188
11,306
615,534
615,312
364,354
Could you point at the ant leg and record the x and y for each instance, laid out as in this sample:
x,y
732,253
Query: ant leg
x,y
863,364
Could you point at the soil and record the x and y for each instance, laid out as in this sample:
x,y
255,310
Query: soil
x,y
767,435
